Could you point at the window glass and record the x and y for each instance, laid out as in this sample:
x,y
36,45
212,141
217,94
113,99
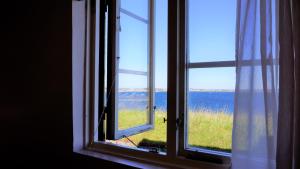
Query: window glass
x,y
137,7
133,44
210,104
132,101
211,30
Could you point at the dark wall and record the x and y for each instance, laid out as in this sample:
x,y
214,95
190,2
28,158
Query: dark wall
x,y
36,98
36,84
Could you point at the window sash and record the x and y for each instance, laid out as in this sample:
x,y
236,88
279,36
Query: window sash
x,y
112,117
184,66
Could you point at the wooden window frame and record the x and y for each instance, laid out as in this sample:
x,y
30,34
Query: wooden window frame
x,y
173,158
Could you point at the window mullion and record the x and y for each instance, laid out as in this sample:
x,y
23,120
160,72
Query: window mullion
x,y
183,60
211,64
173,77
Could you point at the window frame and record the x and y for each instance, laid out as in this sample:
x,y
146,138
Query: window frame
x,y
173,157
185,66
113,132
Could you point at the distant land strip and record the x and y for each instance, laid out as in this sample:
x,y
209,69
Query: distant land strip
x,y
165,90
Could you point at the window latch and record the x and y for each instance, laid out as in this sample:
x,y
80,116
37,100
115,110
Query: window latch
x,y
179,122
165,120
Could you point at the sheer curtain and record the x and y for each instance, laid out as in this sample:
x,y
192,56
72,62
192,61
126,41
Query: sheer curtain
x,y
256,99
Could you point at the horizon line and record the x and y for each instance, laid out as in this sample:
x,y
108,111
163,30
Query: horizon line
x,y
165,89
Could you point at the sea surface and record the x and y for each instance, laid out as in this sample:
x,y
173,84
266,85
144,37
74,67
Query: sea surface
x,y
214,101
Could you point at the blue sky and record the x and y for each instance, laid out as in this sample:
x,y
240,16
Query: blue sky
x,y
211,38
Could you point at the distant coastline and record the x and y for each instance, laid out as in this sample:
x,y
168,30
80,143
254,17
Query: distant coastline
x,y
165,90
214,101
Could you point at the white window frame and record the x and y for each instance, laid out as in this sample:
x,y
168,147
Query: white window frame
x,y
113,132
185,66
86,94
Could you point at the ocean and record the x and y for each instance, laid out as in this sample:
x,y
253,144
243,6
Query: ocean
x,y
213,101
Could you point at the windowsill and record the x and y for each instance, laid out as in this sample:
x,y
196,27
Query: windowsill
x,y
119,160
140,163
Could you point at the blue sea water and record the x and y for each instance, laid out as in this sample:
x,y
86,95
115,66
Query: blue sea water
x,y
197,100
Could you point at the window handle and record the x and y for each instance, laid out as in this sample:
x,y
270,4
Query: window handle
x,y
165,119
178,121
154,108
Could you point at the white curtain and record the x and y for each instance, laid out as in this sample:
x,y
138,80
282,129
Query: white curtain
x,y
256,98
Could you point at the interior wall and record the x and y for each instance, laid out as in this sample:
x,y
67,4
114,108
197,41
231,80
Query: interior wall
x,y
36,105
36,84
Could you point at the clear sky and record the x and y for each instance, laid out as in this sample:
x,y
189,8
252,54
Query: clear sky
x,y
211,38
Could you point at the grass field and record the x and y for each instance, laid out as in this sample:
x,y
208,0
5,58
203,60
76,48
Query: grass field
x,y
206,129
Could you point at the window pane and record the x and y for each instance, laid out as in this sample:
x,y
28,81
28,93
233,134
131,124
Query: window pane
x,y
155,139
210,108
211,34
138,7
132,101
133,44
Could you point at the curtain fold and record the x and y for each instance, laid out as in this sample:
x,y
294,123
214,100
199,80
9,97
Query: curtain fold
x,y
296,36
256,98
288,147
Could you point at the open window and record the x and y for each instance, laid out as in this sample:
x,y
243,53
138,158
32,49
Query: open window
x,y
130,80
126,66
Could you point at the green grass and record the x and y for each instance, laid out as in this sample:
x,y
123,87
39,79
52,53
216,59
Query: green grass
x,y
206,129
131,118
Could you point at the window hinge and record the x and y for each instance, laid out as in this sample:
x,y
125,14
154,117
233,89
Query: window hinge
x,y
179,122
